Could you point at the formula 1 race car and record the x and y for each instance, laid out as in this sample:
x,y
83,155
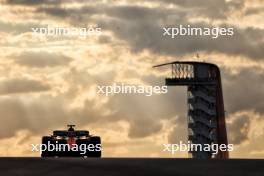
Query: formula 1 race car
x,y
71,143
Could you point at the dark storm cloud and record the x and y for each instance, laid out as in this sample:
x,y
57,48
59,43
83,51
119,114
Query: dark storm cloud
x,y
208,8
41,59
142,29
238,129
119,12
244,91
71,12
12,86
138,13
32,2
142,35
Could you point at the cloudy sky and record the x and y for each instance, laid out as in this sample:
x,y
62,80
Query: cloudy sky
x,y
47,82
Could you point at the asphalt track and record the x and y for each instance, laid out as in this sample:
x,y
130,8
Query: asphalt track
x,y
129,166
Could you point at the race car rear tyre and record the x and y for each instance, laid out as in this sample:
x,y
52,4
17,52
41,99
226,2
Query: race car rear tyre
x,y
96,141
45,141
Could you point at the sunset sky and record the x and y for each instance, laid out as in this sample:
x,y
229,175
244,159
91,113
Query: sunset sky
x,y
47,82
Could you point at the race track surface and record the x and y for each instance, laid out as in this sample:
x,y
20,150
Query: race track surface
x,y
129,166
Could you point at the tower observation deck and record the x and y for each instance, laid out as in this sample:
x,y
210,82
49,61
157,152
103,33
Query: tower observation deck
x,y
206,116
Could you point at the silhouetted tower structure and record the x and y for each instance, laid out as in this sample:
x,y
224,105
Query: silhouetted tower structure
x,y
206,116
